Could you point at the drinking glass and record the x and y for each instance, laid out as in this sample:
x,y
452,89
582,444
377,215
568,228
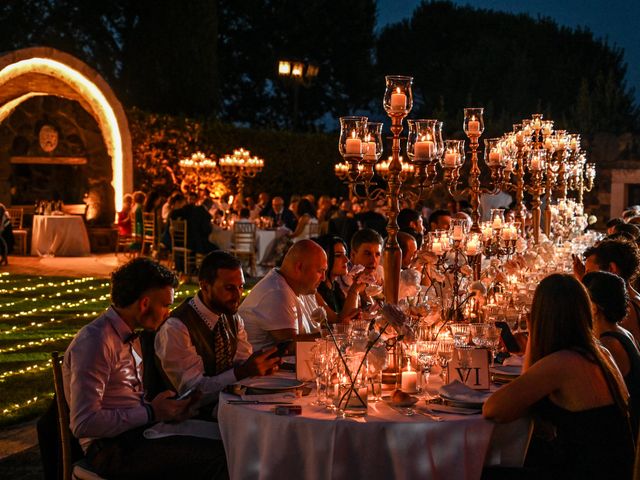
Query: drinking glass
x,y
479,333
319,368
492,340
445,353
460,332
426,355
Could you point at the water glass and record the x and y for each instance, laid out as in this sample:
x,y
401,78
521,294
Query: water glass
x,y
460,332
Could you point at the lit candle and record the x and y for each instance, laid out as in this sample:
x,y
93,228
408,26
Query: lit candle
x,y
472,246
495,157
473,126
409,380
548,144
353,145
398,100
436,248
423,148
535,163
450,159
369,150
458,234
497,222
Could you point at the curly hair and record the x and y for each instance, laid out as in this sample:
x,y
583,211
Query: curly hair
x,y
609,292
623,253
130,281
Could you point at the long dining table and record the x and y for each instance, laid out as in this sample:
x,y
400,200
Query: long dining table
x,y
385,444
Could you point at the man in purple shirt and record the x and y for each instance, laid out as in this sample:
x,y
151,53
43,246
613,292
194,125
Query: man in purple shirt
x,y
103,374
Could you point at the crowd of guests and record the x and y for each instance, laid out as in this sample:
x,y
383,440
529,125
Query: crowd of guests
x,y
581,373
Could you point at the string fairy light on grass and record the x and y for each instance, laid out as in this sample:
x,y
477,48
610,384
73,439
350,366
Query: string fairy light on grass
x,y
16,407
36,368
36,343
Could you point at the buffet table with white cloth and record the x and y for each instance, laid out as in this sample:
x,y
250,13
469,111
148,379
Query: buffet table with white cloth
x,y
60,236
383,445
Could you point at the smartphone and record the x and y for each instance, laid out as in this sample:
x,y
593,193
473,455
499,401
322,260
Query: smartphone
x,y
186,394
281,349
507,338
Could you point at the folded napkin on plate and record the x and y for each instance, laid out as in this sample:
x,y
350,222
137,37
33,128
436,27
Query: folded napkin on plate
x,y
513,360
458,391
192,428
455,410
271,397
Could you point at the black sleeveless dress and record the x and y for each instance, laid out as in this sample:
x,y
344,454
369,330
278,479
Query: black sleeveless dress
x,y
632,378
590,444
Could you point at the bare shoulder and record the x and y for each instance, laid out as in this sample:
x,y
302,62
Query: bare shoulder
x,y
560,361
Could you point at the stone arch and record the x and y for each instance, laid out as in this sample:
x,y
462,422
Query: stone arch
x,y
46,71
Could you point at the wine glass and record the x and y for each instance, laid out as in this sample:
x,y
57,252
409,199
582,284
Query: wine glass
x,y
460,333
445,354
492,340
478,334
319,369
426,355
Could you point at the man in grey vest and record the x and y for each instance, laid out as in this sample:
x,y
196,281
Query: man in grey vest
x,y
203,343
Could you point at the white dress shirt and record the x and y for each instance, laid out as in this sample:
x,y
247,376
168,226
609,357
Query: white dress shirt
x,y
181,362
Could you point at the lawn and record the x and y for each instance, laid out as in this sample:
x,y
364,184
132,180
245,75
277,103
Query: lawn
x,y
39,315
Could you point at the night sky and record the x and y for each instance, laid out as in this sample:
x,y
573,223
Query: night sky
x,y
618,21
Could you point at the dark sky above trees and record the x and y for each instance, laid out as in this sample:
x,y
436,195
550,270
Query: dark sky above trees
x,y
219,58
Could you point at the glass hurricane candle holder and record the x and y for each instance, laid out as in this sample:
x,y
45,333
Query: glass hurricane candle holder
x,y
547,128
473,245
421,141
536,121
398,96
459,229
352,133
372,147
439,139
537,160
574,142
497,218
453,154
493,154
473,124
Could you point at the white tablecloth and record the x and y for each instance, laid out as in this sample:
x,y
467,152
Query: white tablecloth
x,y
59,235
224,240
383,445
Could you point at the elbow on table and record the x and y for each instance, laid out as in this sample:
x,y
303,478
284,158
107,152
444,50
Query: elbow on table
x,y
492,411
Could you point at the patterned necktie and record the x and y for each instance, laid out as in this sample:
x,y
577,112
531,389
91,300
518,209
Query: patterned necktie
x,y
222,345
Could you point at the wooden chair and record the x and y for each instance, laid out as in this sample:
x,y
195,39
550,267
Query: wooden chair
x,y
314,229
179,249
123,244
244,243
81,469
148,232
16,215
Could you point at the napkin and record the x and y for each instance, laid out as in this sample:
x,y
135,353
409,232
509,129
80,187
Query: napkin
x,y
192,428
513,360
458,391
271,397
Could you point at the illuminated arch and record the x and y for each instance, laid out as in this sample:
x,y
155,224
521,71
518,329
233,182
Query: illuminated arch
x,y
45,71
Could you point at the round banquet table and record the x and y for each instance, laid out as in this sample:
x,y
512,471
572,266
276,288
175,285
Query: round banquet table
x,y
264,240
383,445
59,235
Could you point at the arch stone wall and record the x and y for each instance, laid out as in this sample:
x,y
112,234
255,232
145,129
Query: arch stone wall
x,y
46,71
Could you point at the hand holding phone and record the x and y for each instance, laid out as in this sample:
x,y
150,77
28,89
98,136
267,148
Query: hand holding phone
x,y
508,339
184,395
281,349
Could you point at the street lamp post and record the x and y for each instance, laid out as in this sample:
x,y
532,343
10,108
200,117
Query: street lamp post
x,y
297,74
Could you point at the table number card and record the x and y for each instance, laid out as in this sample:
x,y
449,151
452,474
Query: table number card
x,y
304,359
475,376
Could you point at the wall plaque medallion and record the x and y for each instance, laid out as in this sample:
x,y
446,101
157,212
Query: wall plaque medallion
x,y
48,138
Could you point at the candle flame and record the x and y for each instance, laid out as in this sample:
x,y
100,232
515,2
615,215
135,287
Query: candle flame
x,y
398,90
353,134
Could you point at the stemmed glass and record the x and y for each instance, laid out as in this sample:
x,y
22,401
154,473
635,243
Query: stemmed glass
x,y
427,356
478,334
445,354
319,368
492,341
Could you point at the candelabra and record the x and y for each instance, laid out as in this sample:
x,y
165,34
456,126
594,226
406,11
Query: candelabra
x,y
499,238
240,165
199,170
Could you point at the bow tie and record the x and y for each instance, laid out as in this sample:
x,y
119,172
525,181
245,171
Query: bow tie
x,y
132,336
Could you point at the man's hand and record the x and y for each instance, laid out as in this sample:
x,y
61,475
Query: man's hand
x,y
258,364
167,410
348,316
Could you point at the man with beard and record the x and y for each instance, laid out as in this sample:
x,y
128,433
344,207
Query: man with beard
x,y
203,344
410,221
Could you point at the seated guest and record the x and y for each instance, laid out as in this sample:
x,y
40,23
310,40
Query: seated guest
x,y
339,307
124,216
622,258
439,220
103,373
408,247
570,380
203,343
306,216
629,228
281,305
610,304
281,216
366,249
198,226
410,221
243,215
611,224
343,224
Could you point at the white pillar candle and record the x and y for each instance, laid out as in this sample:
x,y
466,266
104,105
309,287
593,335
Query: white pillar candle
x,y
353,146
409,380
398,101
369,150
548,144
495,157
535,163
436,248
497,222
473,126
472,247
458,234
423,149
450,159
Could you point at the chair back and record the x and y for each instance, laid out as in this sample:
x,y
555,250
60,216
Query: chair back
x,y
149,226
244,236
178,232
314,229
63,416
16,216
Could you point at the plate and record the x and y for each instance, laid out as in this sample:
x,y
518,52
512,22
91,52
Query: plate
x,y
271,384
507,370
461,403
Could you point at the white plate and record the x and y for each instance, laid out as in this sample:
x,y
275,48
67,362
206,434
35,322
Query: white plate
x,y
407,403
461,403
271,383
507,370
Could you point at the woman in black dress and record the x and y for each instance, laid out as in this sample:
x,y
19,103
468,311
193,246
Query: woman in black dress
x,y
570,381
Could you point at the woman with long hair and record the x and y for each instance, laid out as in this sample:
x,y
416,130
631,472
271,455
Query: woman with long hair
x,y
570,381
339,307
306,214
610,305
